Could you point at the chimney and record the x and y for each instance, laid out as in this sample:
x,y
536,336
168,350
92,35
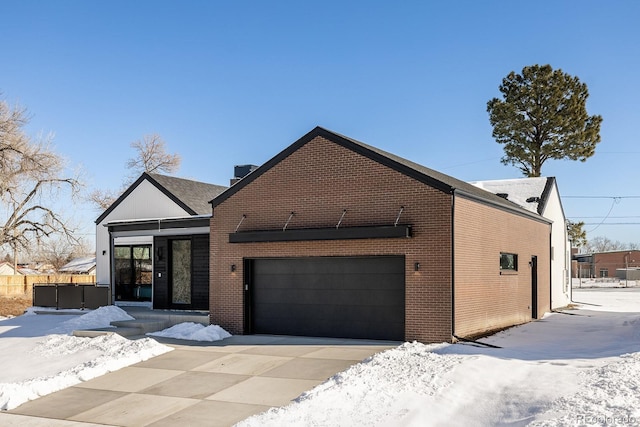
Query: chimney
x,y
240,171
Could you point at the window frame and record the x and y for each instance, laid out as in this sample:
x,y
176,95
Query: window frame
x,y
511,264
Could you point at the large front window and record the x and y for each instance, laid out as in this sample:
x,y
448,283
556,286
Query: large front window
x,y
133,272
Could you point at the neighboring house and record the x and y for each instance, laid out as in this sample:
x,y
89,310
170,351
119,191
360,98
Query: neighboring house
x,y
332,237
29,272
606,264
81,265
6,269
541,195
152,243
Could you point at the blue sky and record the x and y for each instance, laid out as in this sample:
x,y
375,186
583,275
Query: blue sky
x,y
228,83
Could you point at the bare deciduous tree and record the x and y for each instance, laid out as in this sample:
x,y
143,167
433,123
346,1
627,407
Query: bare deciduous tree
x,y
152,156
56,252
32,177
603,244
102,199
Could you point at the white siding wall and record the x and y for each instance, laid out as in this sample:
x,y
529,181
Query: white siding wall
x,y
144,202
560,286
6,270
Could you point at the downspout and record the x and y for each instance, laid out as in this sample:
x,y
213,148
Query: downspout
x,y
112,268
453,269
551,269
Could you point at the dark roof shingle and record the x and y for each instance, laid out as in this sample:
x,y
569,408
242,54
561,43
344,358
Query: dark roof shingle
x,y
192,196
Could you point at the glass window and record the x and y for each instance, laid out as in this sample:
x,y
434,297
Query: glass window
x,y
181,271
508,262
133,272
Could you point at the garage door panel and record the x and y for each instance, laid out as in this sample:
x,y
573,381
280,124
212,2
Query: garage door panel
x,y
331,281
345,321
339,297
356,297
339,265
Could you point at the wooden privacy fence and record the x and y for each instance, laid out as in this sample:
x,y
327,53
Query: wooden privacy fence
x,y
23,285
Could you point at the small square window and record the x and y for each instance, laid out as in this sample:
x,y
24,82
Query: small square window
x,y
508,262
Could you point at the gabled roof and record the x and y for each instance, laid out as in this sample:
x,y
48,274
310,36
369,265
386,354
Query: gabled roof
x,y
192,196
421,173
530,193
80,265
7,269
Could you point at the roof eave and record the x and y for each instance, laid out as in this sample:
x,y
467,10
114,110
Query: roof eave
x,y
129,190
340,140
503,206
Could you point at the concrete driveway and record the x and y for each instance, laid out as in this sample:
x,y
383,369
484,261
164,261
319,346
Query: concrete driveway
x,y
212,384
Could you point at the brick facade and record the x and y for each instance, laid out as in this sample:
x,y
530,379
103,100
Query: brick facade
x,y
487,298
318,181
605,264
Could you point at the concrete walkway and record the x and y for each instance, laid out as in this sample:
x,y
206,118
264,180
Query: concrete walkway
x,y
199,384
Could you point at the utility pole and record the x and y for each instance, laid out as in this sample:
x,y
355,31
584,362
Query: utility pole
x,y
626,268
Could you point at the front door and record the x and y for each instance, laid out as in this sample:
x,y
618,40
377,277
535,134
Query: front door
x,y
180,273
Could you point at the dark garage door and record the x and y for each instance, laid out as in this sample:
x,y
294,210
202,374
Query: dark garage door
x,y
348,297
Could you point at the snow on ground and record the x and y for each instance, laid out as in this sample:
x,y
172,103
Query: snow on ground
x,y
193,332
606,282
578,367
39,356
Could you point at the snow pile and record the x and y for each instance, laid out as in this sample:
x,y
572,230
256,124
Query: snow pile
x,y
193,331
96,356
609,395
99,318
37,362
370,393
581,367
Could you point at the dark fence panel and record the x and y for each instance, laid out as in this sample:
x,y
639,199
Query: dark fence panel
x,y
62,296
46,296
96,296
70,296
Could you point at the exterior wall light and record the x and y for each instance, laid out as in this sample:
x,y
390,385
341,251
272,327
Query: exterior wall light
x,y
233,268
416,266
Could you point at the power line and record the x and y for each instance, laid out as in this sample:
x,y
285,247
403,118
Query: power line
x,y
610,223
598,217
601,197
614,202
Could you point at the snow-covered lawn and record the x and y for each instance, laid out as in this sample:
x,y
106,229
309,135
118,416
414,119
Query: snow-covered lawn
x,y
607,282
581,367
39,356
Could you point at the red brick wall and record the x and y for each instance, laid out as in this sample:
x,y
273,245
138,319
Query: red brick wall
x,y
610,261
317,182
485,299
321,179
